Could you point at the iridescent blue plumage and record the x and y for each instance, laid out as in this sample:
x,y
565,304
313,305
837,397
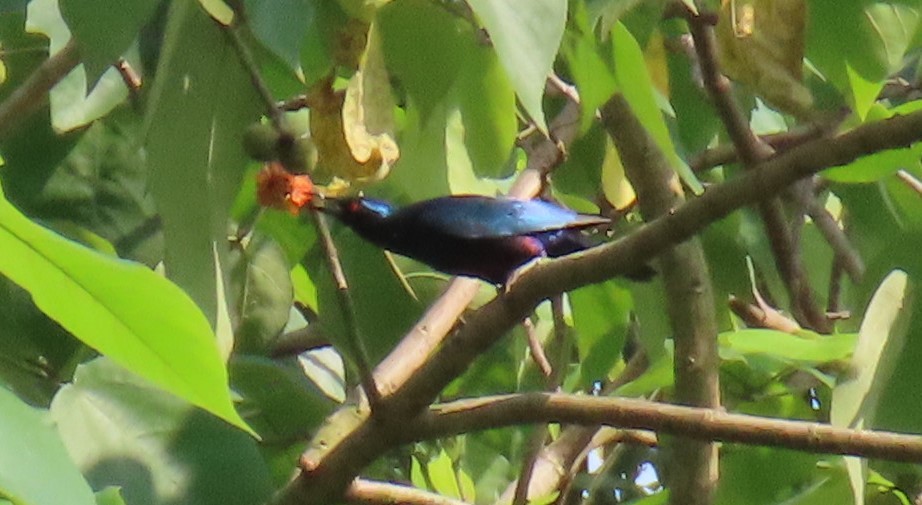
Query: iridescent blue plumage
x,y
468,235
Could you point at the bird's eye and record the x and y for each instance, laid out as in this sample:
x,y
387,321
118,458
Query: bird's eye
x,y
353,206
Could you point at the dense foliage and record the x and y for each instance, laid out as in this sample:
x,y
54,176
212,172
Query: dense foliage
x,y
167,339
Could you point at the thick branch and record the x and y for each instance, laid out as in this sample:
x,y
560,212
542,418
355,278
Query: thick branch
x,y
338,454
689,297
703,424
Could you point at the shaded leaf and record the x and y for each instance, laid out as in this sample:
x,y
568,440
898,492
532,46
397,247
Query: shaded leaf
x,y
282,26
103,30
159,450
526,37
880,341
194,146
761,44
34,466
73,102
95,298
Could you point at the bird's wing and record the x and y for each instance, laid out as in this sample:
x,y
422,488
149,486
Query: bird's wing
x,y
484,217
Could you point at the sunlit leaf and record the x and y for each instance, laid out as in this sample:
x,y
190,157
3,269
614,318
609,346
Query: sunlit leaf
x,y
819,349
635,83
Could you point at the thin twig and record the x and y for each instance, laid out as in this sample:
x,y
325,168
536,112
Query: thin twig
x,y
252,68
358,352
554,380
556,464
32,94
910,180
369,492
727,153
761,317
752,150
534,346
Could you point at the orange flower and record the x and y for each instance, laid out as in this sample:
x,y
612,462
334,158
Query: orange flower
x,y
279,189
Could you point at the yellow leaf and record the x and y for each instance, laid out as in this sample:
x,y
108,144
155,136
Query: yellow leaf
x,y
353,131
617,189
761,45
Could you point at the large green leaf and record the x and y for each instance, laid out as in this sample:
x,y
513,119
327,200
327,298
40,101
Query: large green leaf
x,y
880,341
123,432
806,348
98,299
600,316
856,45
635,83
104,30
34,466
419,36
526,36
194,146
281,26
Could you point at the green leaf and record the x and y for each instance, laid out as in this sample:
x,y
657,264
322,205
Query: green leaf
x,y
34,466
418,36
635,83
103,30
856,45
112,495
880,338
277,399
282,26
487,103
880,341
877,166
261,282
194,147
159,450
590,63
526,36
72,103
442,474
812,349
600,317
96,298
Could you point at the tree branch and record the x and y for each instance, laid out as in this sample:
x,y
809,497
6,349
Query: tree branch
x,y
369,492
753,150
339,451
477,414
689,297
32,94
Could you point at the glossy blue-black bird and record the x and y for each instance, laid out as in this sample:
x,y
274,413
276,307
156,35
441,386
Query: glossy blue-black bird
x,y
469,235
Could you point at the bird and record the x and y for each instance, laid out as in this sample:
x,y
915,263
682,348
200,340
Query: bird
x,y
469,235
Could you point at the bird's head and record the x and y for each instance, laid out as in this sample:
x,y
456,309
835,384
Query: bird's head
x,y
359,213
